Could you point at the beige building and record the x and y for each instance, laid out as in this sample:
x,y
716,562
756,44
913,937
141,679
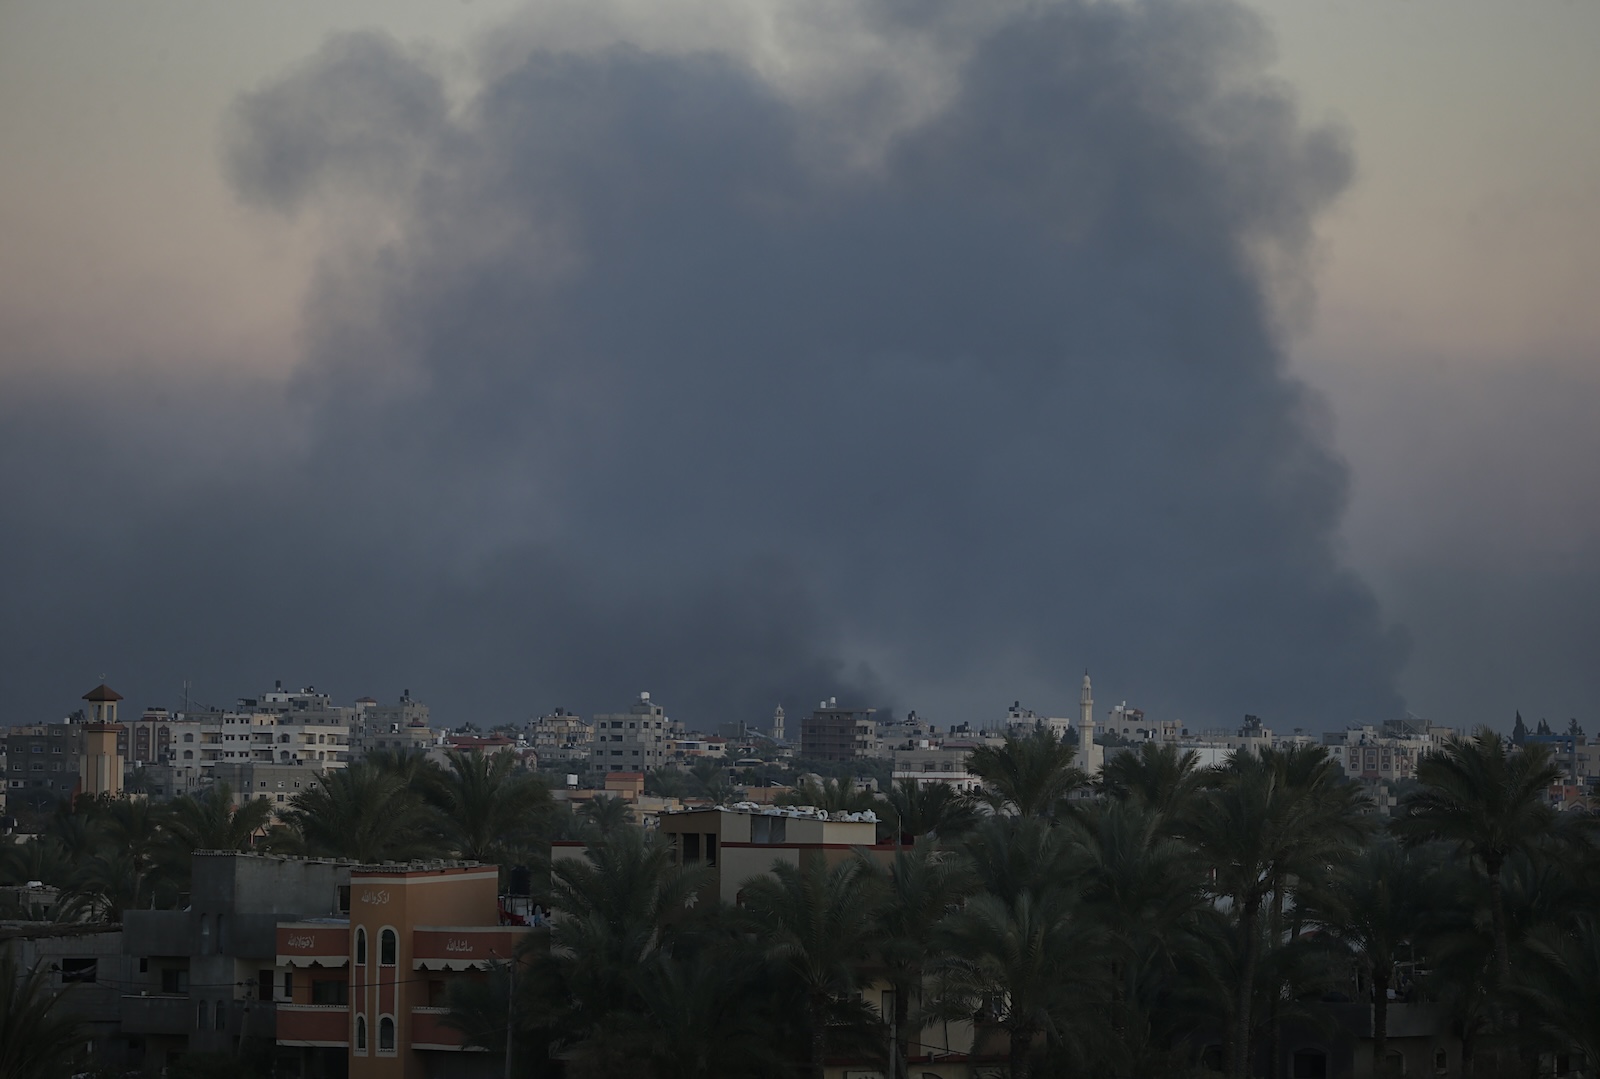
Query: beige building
x,y
637,740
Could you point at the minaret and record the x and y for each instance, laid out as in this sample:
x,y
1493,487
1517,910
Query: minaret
x,y
100,767
777,724
1090,756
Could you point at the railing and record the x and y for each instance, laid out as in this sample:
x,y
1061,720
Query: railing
x,y
313,1024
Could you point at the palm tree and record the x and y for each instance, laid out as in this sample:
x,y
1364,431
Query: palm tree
x,y
1489,803
210,821
36,1040
816,924
1034,963
921,886
606,814
611,909
1374,906
832,795
1258,828
1160,776
1145,889
680,997
1031,774
489,810
365,813
919,810
1561,986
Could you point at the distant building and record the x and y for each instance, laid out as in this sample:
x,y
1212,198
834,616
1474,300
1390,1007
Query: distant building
x,y
831,733
402,727
562,736
637,740
1387,753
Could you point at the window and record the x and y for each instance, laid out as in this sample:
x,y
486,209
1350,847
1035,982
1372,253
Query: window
x,y
188,737
387,946
361,1033
288,985
36,748
386,1034
330,992
222,1015
175,981
361,946
78,970
202,1016
264,983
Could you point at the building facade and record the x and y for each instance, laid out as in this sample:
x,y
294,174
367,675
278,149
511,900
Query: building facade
x,y
637,740
832,733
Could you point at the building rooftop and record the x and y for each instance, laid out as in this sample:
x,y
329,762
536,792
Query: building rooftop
x,y
102,692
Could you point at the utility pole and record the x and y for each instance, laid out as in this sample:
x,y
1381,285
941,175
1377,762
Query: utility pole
x,y
511,1010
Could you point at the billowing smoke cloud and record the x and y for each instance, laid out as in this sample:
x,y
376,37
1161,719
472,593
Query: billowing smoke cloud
x,y
639,369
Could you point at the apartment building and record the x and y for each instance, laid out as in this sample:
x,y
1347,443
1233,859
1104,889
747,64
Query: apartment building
x,y
1387,753
832,733
562,736
404,726
206,977
361,993
637,740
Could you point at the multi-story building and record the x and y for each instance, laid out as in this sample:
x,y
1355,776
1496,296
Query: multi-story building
x,y
637,740
362,993
277,784
206,976
400,727
562,736
1388,753
831,733
942,762
88,968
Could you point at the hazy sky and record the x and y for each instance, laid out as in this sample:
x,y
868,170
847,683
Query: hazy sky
x,y
527,355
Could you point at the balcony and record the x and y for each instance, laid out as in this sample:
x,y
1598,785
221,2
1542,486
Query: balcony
x,y
428,1031
314,1024
162,1014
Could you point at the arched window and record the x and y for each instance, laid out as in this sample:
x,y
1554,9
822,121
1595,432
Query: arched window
x,y
361,1033
387,945
222,1015
361,946
188,754
386,1034
202,1015
188,737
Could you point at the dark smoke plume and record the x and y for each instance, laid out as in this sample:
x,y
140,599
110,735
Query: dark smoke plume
x,y
616,380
